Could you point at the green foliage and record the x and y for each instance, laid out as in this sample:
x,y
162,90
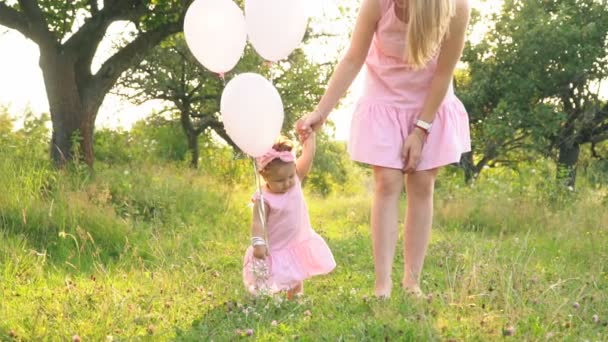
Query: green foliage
x,y
529,87
61,15
68,34
6,122
593,165
141,250
154,251
172,74
333,171
220,162
158,140
162,11
161,137
116,147
31,207
153,139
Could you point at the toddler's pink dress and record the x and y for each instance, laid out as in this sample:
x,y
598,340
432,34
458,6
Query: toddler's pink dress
x,y
392,99
296,251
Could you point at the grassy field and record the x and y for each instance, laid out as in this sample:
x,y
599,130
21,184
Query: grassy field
x,y
153,252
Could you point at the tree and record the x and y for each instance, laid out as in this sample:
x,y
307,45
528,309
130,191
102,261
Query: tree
x,y
170,73
68,34
533,82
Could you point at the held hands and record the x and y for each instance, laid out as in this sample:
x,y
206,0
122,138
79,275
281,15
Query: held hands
x,y
308,124
308,140
412,149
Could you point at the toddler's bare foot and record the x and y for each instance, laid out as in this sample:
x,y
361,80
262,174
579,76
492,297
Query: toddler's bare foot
x,y
296,292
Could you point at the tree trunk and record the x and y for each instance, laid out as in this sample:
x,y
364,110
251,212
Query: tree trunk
x,y
467,163
72,120
194,150
73,92
566,163
71,126
192,136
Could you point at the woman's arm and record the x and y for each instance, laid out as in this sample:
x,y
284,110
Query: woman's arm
x,y
304,162
351,64
348,68
451,51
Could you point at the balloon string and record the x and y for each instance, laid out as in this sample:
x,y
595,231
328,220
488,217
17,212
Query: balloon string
x,y
260,267
270,64
261,206
222,77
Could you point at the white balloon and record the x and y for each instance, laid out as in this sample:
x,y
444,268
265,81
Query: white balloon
x,y
216,34
323,8
252,112
276,27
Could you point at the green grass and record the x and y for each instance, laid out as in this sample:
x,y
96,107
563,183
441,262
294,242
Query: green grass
x,y
154,252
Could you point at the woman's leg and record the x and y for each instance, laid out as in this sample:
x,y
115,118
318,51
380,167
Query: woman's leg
x,y
384,224
420,186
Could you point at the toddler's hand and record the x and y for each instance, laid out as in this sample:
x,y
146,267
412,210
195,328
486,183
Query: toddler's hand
x,y
308,124
260,252
308,138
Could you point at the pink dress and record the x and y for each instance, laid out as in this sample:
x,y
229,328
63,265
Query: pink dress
x,y
392,99
296,251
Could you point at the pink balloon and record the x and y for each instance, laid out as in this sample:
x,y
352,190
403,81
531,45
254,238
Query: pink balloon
x,y
252,112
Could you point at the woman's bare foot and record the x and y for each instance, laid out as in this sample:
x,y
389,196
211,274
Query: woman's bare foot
x,y
382,291
414,291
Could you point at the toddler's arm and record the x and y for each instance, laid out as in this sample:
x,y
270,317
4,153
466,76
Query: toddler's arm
x,y
304,162
257,231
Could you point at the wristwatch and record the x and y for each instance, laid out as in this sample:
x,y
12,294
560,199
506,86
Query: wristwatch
x,y
425,126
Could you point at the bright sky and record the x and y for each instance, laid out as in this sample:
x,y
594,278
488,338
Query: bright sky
x,y
21,84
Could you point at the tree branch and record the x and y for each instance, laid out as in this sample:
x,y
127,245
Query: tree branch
x,y
483,162
201,98
128,9
87,39
507,162
14,19
212,122
221,131
599,137
92,32
601,115
94,7
38,27
129,55
516,140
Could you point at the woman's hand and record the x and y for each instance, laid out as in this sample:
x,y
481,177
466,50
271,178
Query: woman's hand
x,y
412,149
260,252
308,124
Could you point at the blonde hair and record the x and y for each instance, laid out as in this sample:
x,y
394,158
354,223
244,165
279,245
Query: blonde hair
x,y
428,24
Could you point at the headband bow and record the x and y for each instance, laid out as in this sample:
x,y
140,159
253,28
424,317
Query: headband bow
x,y
271,155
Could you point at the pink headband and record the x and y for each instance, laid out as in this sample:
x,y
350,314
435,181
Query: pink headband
x,y
273,154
